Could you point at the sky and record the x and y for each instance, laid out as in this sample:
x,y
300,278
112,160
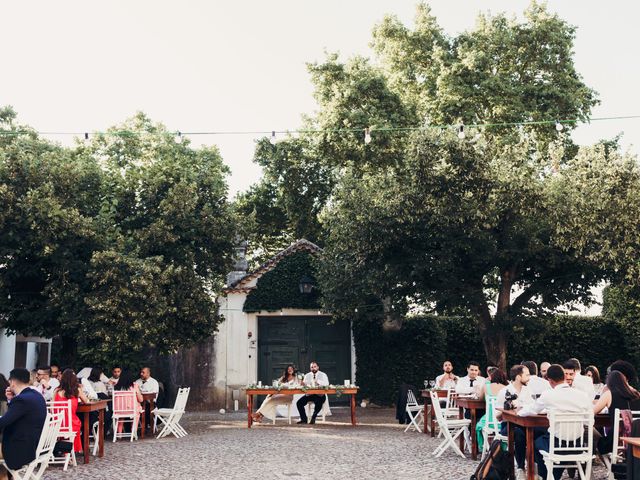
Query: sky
x,y
199,65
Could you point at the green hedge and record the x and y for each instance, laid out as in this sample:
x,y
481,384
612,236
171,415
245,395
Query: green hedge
x,y
385,360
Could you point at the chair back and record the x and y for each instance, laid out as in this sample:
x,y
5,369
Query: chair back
x,y
452,400
49,435
124,402
572,432
618,447
181,399
63,408
491,422
411,399
435,405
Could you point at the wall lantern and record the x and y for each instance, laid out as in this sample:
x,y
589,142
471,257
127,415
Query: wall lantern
x,y
306,285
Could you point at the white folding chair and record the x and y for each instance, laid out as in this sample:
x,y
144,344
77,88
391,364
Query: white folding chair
x,y
452,409
170,417
67,434
324,411
44,451
570,443
415,412
126,409
450,428
283,411
617,453
491,425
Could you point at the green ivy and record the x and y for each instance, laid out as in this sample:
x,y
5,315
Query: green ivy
x,y
280,287
385,360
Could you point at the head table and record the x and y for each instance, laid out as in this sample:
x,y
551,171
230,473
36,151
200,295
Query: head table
x,y
353,391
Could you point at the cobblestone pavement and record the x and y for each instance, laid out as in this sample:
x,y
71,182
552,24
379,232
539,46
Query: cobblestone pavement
x,y
221,447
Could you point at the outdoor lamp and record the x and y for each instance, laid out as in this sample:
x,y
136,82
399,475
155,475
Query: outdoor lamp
x,y
306,284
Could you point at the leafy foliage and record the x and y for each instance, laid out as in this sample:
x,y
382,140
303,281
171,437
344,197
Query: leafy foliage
x,y
118,245
280,287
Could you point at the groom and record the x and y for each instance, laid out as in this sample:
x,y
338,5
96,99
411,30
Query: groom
x,y
314,378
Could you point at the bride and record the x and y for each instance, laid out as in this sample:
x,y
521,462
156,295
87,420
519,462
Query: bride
x,y
270,404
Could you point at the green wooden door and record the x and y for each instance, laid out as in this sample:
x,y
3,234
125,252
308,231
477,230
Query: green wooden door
x,y
299,340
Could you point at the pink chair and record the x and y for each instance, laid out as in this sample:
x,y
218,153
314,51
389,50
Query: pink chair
x,y
125,409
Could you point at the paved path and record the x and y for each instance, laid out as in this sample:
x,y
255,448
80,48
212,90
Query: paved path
x,y
221,447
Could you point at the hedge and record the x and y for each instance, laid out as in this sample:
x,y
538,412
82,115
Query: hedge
x,y
386,359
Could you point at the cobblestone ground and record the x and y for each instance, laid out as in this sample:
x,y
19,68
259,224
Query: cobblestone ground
x,y
221,447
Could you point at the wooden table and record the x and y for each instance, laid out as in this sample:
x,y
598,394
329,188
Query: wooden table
x,y
529,423
473,405
293,391
85,409
635,443
149,398
429,419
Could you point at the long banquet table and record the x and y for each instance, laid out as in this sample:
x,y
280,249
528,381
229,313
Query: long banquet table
x,y
529,424
251,392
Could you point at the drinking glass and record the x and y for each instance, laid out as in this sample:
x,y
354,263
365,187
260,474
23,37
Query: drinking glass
x,y
426,384
432,383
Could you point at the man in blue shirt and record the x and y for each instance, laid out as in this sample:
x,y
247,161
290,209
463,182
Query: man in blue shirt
x,y
22,425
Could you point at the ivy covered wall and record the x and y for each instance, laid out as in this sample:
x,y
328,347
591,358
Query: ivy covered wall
x,y
280,287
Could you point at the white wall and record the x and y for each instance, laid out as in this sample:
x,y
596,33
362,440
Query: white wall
x,y
7,352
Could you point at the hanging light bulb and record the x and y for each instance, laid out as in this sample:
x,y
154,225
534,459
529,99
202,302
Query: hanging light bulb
x,y
86,137
461,133
367,135
356,310
559,126
179,136
272,140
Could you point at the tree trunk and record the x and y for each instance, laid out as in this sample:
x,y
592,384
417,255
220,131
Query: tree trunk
x,y
69,353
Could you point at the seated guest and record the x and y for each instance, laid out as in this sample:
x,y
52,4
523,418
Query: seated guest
x,y
270,404
490,368
22,425
70,389
148,384
543,369
618,395
593,372
115,375
46,384
519,395
96,382
497,381
55,371
448,379
536,384
563,399
472,383
573,377
625,368
314,378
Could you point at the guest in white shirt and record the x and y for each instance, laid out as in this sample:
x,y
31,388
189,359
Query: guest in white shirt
x,y
543,369
536,384
45,384
520,395
448,379
472,383
572,376
147,383
314,378
561,398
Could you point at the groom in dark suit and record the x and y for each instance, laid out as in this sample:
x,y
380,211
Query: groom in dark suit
x,y
22,425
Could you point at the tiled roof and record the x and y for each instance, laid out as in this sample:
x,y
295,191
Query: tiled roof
x,y
299,246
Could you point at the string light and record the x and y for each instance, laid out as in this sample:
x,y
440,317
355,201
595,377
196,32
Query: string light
x,y
367,136
86,137
559,126
272,140
179,136
461,133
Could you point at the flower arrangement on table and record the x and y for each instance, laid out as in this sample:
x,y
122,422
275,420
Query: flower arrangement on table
x,y
283,386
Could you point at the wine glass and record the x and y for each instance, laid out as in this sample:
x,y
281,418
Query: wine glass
x,y
426,384
432,383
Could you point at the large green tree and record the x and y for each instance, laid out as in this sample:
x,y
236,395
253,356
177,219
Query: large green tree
x,y
117,245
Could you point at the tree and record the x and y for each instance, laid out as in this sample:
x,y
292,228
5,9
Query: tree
x,y
467,225
118,245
